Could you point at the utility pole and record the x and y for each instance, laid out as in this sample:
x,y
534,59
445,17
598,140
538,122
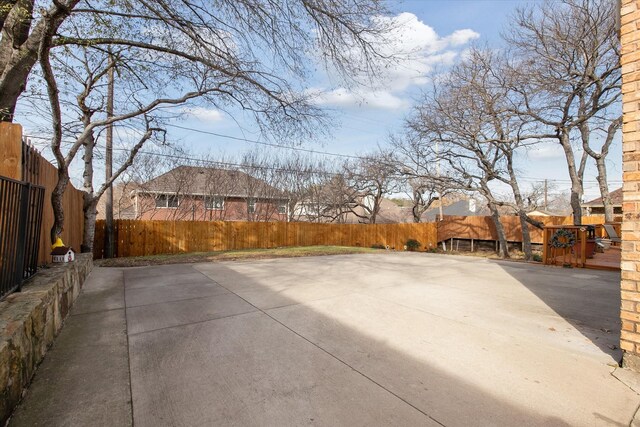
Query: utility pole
x,y
438,175
545,194
109,238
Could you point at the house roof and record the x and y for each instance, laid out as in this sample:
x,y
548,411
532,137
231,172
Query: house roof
x,y
459,208
210,181
616,199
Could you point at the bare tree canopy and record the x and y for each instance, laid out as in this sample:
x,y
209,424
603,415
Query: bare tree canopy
x,y
567,78
255,44
248,56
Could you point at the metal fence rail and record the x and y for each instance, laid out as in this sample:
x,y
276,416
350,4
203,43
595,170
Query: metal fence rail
x,y
20,222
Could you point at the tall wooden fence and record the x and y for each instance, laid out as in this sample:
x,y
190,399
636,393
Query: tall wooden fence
x,y
21,162
483,228
140,238
137,238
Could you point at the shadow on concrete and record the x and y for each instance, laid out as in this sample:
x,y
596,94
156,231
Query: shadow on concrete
x,y
588,299
283,342
286,362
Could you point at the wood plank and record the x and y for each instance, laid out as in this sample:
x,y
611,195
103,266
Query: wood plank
x,y
11,150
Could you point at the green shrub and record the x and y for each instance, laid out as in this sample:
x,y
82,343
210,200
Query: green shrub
x,y
537,257
378,246
413,245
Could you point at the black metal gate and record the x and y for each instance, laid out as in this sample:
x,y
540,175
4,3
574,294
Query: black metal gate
x,y
20,222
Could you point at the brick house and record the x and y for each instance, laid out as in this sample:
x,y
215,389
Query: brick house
x,y
208,194
596,207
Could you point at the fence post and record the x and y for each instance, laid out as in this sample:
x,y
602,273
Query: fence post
x,y
22,234
583,246
545,244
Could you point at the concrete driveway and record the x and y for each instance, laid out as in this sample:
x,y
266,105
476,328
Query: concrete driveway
x,y
379,339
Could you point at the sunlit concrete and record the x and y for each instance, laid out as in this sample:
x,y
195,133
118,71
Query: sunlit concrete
x,y
374,339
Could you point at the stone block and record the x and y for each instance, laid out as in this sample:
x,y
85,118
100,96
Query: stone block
x,y
30,321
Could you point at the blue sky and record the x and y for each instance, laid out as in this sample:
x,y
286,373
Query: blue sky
x,y
365,117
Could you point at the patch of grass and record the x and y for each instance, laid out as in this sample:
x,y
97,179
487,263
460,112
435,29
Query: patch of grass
x,y
245,254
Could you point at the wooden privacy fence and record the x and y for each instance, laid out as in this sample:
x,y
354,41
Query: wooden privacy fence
x,y
483,228
138,238
21,162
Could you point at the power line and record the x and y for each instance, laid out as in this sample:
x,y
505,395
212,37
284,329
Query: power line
x,y
252,141
229,164
523,178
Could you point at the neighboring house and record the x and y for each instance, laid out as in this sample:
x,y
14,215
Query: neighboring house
x,y
469,207
348,212
596,207
388,213
123,207
208,194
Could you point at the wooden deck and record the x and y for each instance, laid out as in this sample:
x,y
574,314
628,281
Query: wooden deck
x,y
609,260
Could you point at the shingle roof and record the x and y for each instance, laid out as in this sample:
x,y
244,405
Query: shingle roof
x,y
616,199
459,208
213,181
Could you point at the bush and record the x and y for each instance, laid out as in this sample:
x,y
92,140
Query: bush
x,y
537,257
413,245
378,246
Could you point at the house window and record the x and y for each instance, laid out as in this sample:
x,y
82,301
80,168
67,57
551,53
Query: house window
x,y
172,201
161,201
166,201
282,208
251,206
215,202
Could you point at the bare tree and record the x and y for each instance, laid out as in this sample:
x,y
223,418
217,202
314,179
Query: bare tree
x,y
419,174
190,52
546,196
229,38
466,123
369,179
566,74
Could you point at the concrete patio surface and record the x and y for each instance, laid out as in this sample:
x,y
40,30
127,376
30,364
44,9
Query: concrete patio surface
x,y
376,339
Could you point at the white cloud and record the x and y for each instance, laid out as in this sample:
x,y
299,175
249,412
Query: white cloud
x,y
418,49
545,151
205,114
342,97
460,37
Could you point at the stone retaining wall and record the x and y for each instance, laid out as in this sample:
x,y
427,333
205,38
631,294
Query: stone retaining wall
x,y
29,322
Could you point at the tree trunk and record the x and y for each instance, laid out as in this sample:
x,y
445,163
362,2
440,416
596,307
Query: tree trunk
x,y
417,215
601,166
503,251
56,203
526,236
90,212
604,189
574,175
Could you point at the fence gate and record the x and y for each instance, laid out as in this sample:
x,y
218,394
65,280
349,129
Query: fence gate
x,y
20,220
